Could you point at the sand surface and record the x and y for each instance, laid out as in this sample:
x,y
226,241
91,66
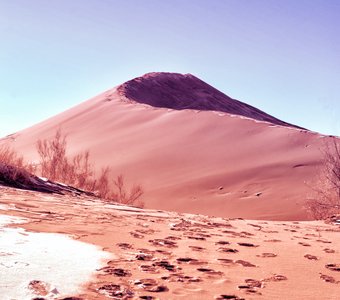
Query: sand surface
x,y
168,255
227,162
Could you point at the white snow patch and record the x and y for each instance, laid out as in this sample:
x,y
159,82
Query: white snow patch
x,y
61,263
43,178
4,207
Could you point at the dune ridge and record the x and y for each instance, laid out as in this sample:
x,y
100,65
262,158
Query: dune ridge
x,y
185,91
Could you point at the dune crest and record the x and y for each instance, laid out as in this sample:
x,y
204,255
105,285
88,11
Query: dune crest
x,y
185,91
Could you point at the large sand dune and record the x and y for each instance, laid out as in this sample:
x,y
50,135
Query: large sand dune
x,y
192,148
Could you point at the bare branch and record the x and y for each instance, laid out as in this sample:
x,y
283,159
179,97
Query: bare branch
x,y
326,199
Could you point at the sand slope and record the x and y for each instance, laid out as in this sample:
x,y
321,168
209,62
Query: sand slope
x,y
188,160
164,255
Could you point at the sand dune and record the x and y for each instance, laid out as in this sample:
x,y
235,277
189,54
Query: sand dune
x,y
192,148
167,255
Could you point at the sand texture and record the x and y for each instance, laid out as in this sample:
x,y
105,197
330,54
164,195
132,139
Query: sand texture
x,y
168,255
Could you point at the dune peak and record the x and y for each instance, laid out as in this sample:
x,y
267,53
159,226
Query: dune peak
x,y
186,91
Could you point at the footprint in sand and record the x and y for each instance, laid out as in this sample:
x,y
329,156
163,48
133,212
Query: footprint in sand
x,y
304,244
222,243
165,264
328,278
231,297
273,241
252,286
267,254
213,225
115,291
210,271
333,267
243,234
190,261
324,241
182,226
227,250
163,252
198,238
244,263
175,277
144,256
157,289
148,268
275,277
291,230
311,257
137,235
116,271
197,248
125,246
150,285
226,261
172,238
249,290
247,245
145,231
253,283
327,250
270,231
164,243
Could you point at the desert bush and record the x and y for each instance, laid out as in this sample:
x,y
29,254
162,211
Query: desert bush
x,y
102,185
57,166
15,176
9,157
79,172
126,197
325,201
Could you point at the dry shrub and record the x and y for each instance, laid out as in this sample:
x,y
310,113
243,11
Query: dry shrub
x,y
102,184
56,165
9,157
14,176
13,170
325,201
123,196
79,172
52,155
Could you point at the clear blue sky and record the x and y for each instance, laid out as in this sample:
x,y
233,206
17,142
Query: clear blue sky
x,y
280,56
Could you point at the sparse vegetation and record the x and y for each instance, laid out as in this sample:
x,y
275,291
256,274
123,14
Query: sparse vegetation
x,y
123,195
9,157
78,171
11,175
55,164
325,201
